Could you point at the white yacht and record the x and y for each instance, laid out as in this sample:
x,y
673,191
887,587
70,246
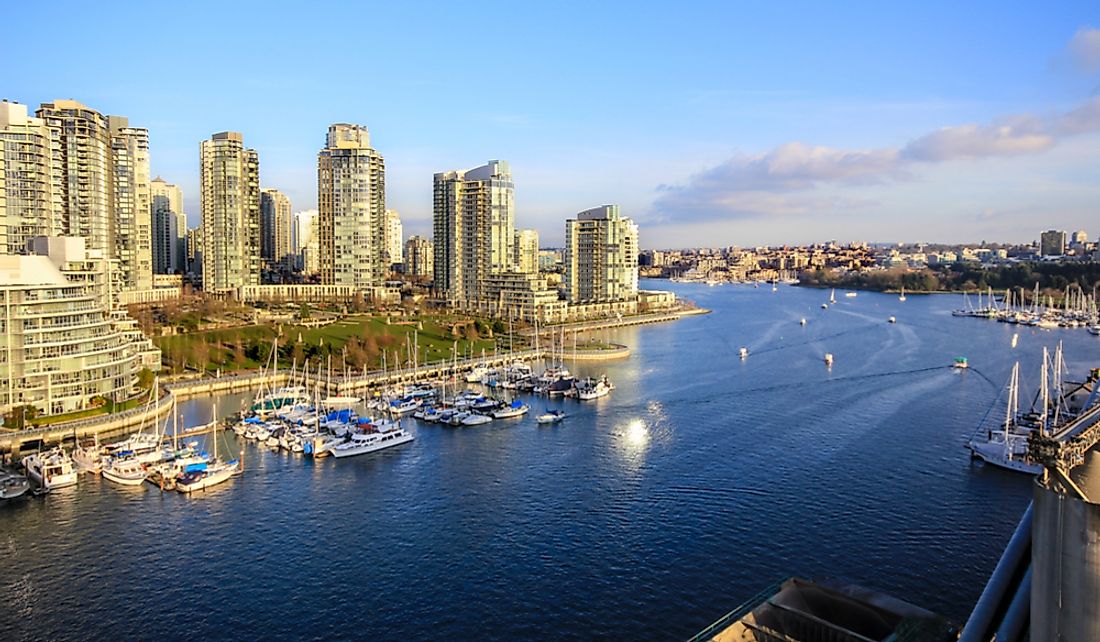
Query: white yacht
x,y
127,472
476,375
372,440
88,457
51,469
594,389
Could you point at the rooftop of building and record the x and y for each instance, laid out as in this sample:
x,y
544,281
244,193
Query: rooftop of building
x,y
19,270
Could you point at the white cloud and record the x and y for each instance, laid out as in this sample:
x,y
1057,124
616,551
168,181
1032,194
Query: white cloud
x,y
1085,48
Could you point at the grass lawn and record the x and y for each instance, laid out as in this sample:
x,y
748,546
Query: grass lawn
x,y
435,341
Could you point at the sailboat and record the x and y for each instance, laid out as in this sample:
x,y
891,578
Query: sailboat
x,y
1006,447
203,475
901,297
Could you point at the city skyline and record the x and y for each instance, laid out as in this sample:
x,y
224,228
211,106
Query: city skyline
x,y
874,127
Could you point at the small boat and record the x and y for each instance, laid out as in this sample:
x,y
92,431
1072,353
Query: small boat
x,y
828,358
88,457
960,362
51,469
550,417
594,389
1015,339
127,472
901,297
851,295
202,476
824,306
12,485
516,409
475,419
802,321
832,296
743,353
892,320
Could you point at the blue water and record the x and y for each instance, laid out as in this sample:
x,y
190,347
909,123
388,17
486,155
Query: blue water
x,y
645,515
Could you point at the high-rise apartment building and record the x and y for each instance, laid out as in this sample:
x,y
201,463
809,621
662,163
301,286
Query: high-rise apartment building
x,y
193,255
275,223
230,199
1079,239
83,173
474,228
169,228
527,251
418,257
351,204
27,197
130,203
394,238
601,256
1052,243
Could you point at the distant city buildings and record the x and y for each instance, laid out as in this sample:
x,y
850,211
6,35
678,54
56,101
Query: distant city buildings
x,y
304,242
394,239
601,256
169,228
1052,243
275,223
419,257
474,227
230,198
351,203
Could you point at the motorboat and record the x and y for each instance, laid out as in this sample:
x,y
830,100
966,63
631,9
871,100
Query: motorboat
x,y
475,419
892,320
550,417
12,485
51,469
743,353
127,472
594,389
960,363
476,375
829,358
372,439
515,409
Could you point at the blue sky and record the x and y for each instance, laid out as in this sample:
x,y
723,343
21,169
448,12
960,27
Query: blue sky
x,y
710,123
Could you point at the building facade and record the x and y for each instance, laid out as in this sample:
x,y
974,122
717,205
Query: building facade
x,y
527,251
169,228
474,228
601,257
83,177
130,203
394,238
275,222
1052,243
230,200
27,196
419,257
351,210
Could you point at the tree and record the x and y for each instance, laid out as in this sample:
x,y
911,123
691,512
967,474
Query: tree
x,y
145,379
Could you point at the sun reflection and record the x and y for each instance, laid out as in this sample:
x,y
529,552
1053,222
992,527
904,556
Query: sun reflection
x,y
637,434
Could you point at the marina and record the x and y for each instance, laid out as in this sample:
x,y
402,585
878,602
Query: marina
x,y
705,473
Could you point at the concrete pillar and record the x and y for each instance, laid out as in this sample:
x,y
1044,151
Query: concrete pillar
x,y
1065,568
